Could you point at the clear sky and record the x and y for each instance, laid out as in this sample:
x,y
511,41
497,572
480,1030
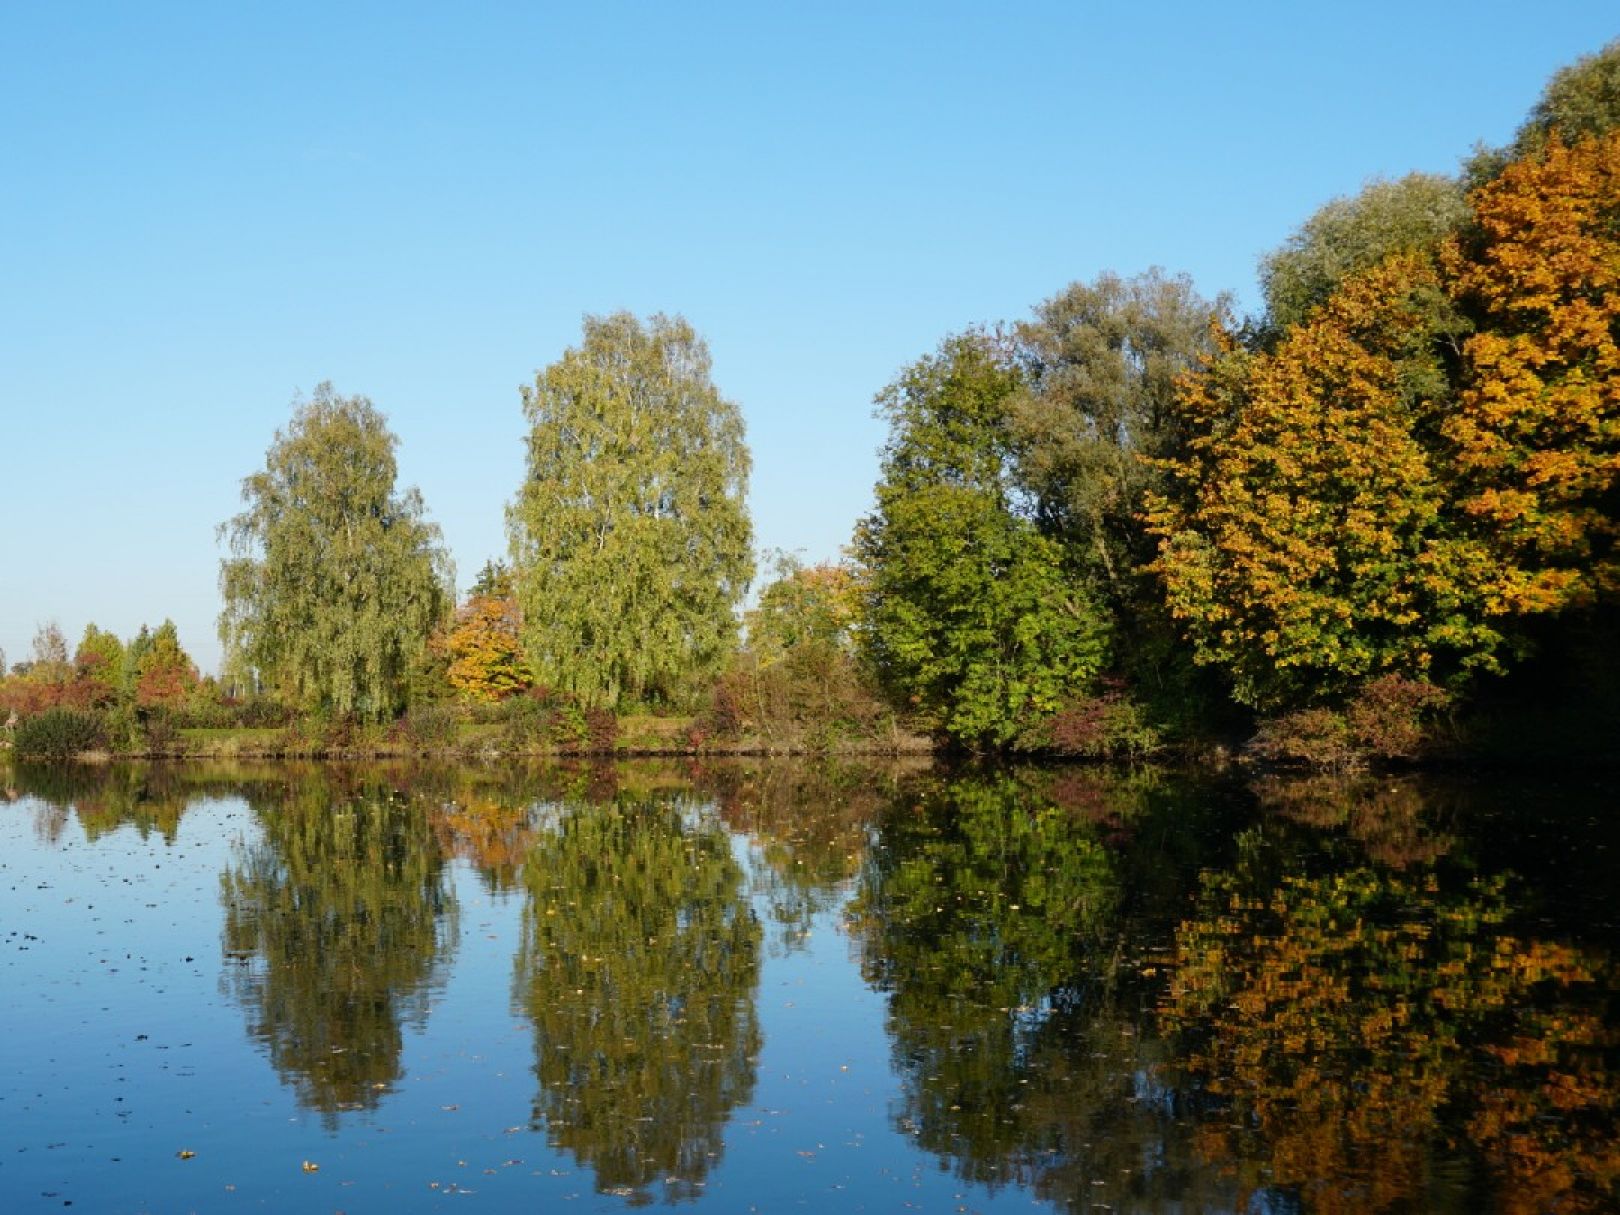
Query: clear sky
x,y
207,208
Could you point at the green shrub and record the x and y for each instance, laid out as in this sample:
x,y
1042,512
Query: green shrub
x,y
260,713
121,726
525,722
434,727
58,734
1095,727
566,730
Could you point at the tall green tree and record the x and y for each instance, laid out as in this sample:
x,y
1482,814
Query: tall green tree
x,y
631,543
133,653
335,579
970,615
1101,361
1348,235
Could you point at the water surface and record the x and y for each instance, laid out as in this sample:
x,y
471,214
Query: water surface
x,y
778,987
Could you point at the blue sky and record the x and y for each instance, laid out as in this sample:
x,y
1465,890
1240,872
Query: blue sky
x,y
209,207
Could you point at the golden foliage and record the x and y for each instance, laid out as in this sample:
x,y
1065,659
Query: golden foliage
x,y
1536,434
1303,544
485,649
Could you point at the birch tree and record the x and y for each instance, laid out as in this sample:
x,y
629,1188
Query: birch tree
x,y
631,544
335,579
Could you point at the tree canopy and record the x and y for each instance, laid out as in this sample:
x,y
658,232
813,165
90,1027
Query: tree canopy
x,y
1348,235
969,613
335,579
631,543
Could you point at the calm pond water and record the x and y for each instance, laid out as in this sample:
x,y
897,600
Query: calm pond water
x,y
777,987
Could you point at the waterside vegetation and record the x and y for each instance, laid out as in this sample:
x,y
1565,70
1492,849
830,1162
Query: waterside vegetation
x,y
1379,520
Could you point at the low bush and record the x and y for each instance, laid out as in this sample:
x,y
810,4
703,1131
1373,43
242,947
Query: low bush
x,y
160,732
601,730
434,727
1111,725
58,734
1389,717
544,720
1308,738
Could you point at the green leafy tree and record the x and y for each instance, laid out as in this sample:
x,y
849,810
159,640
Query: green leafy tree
x,y
970,615
798,685
631,544
804,605
336,580
133,653
98,665
639,969
1348,235
1101,361
494,581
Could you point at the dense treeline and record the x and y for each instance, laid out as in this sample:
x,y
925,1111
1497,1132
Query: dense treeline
x,y
1392,488
1388,502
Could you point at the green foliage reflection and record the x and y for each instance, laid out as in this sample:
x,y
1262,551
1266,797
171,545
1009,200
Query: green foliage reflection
x,y
638,967
339,923
985,915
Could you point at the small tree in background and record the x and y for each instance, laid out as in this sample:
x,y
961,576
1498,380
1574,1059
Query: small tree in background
x,y
165,675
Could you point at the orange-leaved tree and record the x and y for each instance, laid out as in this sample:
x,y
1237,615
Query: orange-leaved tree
x,y
1535,437
486,649
1303,538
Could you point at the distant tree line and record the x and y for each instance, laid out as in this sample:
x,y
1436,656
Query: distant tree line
x,y
1132,518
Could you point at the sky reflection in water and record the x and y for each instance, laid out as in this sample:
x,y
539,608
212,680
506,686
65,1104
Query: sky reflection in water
x,y
775,985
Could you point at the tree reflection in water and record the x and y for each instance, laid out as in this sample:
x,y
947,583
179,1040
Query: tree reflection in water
x,y
992,915
638,968
340,925
1364,1026
809,823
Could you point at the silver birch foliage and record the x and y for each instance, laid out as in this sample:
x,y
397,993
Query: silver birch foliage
x,y
335,579
630,536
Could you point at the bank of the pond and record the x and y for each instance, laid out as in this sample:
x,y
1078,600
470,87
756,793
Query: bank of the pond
x,y
647,735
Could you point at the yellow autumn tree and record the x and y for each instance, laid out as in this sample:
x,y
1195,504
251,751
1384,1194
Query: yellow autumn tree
x,y
485,648
1535,437
1303,539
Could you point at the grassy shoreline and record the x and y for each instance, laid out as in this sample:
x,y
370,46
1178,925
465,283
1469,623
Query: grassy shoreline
x,y
640,736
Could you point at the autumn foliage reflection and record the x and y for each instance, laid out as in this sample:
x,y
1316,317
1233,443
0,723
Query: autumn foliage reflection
x,y
1352,1024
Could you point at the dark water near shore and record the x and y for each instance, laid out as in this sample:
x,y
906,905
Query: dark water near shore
x,y
778,987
